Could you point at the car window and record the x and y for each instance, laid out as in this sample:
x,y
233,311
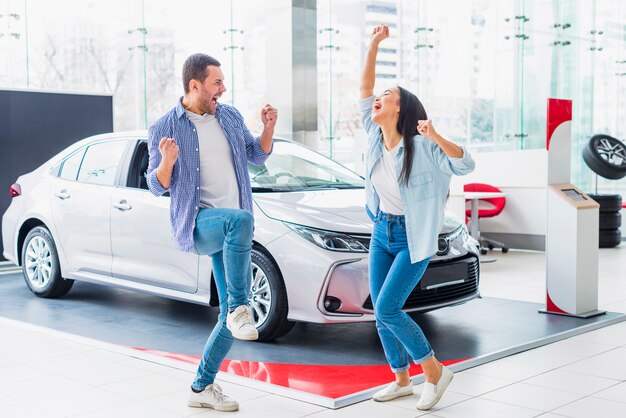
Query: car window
x,y
100,163
137,172
69,169
293,167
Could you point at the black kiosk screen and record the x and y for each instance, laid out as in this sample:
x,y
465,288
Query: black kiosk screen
x,y
574,195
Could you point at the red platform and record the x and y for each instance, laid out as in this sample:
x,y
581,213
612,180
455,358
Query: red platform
x,y
463,337
329,381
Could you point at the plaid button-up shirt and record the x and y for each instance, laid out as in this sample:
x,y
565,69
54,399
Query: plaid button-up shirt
x,y
185,186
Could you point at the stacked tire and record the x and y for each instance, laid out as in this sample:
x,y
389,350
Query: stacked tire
x,y
606,156
610,219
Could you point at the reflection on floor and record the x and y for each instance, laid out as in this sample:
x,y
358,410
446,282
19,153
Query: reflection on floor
x,y
328,381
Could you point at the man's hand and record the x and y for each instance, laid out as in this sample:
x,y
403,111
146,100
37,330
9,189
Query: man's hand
x,y
426,129
379,33
269,115
169,150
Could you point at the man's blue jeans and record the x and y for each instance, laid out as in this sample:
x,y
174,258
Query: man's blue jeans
x,y
226,236
392,279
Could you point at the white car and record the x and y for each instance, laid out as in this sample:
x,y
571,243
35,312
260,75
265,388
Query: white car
x,y
86,214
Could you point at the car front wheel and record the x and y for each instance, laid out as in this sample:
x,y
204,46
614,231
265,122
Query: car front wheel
x,y
268,298
40,265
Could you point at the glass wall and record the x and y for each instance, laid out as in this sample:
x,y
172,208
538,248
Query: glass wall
x,y
483,69
132,50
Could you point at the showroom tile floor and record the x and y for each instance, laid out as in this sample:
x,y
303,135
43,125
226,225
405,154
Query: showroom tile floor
x,y
45,373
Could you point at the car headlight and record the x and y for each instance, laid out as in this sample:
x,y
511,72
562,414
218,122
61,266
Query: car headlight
x,y
332,241
444,241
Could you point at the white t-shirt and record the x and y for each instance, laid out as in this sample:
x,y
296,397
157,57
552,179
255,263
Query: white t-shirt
x,y
385,181
218,182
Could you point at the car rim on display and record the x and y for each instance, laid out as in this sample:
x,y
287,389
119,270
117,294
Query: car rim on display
x,y
260,295
612,152
38,262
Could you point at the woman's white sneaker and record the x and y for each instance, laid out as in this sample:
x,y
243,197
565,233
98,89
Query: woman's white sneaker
x,y
431,394
240,324
212,397
393,391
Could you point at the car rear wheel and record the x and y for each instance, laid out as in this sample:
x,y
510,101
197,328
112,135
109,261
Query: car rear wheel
x,y
268,298
40,265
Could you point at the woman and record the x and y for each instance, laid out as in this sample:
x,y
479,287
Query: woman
x,y
408,171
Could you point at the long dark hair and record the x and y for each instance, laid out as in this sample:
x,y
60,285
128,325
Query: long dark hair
x,y
411,110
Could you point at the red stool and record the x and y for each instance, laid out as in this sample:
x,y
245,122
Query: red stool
x,y
495,205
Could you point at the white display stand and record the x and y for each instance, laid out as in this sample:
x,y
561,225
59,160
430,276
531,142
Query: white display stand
x,y
572,227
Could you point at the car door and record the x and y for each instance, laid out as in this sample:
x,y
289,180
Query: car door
x,y
141,238
81,205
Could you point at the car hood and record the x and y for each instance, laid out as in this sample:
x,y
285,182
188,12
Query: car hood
x,y
331,210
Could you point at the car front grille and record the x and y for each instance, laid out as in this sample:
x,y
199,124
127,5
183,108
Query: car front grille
x,y
425,298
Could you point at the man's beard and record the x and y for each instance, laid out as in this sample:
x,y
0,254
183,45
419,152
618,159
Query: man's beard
x,y
206,107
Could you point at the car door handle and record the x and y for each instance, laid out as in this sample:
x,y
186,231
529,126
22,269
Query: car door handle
x,y
63,194
122,205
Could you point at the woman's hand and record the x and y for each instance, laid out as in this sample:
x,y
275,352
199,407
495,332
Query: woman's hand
x,y
379,33
426,129
368,76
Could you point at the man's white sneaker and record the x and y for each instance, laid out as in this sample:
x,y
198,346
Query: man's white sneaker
x,y
393,391
240,324
431,394
212,397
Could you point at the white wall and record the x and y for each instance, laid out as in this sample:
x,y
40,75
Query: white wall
x,y
523,176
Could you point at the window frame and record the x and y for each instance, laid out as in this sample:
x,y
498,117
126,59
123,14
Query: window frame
x,y
121,168
61,165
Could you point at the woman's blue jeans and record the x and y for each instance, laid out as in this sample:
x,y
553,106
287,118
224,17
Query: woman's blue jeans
x,y
392,279
226,236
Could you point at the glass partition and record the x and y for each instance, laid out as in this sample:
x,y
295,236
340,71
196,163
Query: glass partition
x,y
483,68
132,50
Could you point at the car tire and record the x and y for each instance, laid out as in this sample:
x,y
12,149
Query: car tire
x,y
268,289
608,202
606,156
610,220
40,265
610,238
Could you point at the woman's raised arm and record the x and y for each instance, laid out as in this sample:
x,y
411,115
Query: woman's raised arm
x,y
368,75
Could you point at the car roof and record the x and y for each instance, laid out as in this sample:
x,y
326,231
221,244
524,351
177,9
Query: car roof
x,y
140,134
136,134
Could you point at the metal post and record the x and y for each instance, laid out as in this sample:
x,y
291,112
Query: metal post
x,y
330,77
330,47
26,41
230,35
145,72
232,54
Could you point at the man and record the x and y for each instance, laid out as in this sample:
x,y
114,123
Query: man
x,y
199,152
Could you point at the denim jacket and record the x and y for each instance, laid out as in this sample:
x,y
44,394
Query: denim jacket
x,y
424,197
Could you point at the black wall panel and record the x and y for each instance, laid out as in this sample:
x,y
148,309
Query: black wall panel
x,y
34,126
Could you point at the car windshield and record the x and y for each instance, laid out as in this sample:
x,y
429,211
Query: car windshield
x,y
293,167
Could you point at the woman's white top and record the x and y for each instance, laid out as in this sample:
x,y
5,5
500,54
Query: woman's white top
x,y
385,181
